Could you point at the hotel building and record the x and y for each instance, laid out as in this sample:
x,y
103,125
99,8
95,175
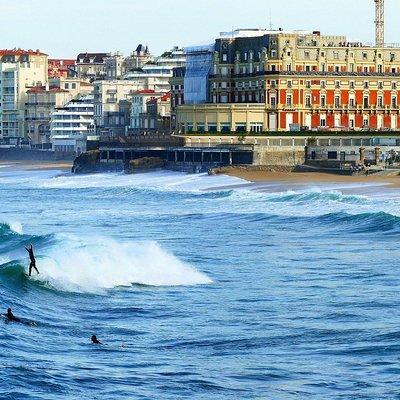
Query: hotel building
x,y
259,81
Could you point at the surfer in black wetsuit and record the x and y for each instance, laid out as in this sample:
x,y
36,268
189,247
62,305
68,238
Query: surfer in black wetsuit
x,y
95,340
10,316
33,260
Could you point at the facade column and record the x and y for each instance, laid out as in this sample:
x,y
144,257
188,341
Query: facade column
x,y
362,155
377,155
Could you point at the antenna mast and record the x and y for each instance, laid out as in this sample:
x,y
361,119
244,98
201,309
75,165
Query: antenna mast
x,y
380,23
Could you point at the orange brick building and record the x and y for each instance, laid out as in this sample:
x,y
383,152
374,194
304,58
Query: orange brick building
x,y
300,79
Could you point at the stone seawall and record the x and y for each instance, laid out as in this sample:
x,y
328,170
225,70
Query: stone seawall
x,y
278,156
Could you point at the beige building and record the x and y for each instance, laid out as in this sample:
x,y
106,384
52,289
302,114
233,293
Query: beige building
x,y
40,104
75,86
19,71
108,96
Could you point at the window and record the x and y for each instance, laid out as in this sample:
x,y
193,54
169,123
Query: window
x,y
308,84
380,101
323,67
336,55
323,101
366,85
365,70
289,100
365,56
380,69
273,53
332,155
288,67
351,67
273,101
337,101
394,101
289,84
246,56
351,102
351,84
394,86
337,84
392,57
366,102
323,84
380,85
224,57
365,121
308,68
308,100
337,68
307,55
322,121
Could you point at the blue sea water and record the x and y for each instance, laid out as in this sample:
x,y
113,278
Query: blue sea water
x,y
199,287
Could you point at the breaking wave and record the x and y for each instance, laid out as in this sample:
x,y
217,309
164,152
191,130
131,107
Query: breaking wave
x,y
73,264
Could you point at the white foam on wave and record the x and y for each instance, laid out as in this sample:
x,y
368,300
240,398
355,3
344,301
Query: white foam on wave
x,y
16,227
158,180
103,263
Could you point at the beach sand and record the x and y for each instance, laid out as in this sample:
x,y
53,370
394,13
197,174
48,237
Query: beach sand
x,y
38,165
392,180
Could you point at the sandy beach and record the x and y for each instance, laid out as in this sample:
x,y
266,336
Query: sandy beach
x,y
37,165
257,176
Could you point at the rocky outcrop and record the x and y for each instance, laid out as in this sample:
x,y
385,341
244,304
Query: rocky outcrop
x,y
145,164
249,168
87,162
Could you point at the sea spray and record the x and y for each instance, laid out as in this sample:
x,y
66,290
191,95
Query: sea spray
x,y
97,264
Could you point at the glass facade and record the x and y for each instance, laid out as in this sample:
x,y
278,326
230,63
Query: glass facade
x,y
199,61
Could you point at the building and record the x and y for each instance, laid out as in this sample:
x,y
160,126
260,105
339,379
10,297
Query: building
x,y
114,66
138,59
41,102
140,100
62,68
264,81
157,115
71,125
19,71
110,99
75,86
91,65
157,75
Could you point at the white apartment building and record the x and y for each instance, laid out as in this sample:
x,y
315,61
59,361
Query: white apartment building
x,y
156,76
71,125
20,70
138,107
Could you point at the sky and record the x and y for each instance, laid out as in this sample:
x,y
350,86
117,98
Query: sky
x,y
63,29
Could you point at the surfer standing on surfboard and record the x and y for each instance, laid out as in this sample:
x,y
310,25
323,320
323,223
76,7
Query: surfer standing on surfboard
x,y
32,258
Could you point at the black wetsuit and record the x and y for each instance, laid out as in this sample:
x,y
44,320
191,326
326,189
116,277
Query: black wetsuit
x,y
33,260
95,340
10,316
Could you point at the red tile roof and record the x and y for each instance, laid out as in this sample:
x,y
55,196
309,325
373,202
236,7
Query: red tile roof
x,y
20,52
54,89
144,91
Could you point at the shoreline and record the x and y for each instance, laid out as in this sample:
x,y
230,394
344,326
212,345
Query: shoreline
x,y
36,165
263,176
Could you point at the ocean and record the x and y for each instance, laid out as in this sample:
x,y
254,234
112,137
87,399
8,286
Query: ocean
x,y
199,287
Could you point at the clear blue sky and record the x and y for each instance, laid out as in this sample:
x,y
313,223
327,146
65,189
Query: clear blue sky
x,y
65,28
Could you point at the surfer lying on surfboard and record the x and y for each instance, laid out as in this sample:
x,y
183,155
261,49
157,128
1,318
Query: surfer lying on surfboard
x,y
10,316
32,258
